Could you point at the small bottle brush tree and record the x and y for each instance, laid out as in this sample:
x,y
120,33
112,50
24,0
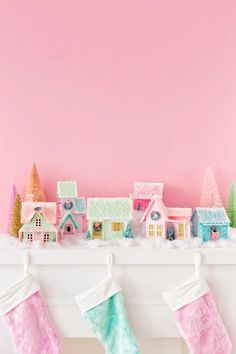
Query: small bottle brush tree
x,y
128,231
10,208
210,197
16,217
171,233
231,206
34,191
88,235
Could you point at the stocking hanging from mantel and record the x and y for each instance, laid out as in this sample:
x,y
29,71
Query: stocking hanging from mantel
x,y
104,309
197,317
25,314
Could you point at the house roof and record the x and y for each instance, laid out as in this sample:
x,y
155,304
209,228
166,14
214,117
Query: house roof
x,y
66,189
48,228
151,205
109,208
179,213
172,214
48,209
80,205
65,218
148,190
212,215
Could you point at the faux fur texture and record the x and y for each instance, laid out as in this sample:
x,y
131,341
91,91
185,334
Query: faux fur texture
x,y
109,322
31,328
202,328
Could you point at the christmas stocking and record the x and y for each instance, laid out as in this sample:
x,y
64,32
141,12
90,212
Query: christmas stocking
x,y
25,314
103,307
197,317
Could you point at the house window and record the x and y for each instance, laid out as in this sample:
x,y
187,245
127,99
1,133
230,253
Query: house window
x,y
159,230
181,230
30,237
46,237
117,226
38,222
151,230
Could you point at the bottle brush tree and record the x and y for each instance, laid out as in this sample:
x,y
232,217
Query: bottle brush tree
x,y
210,197
16,217
171,233
34,191
128,231
10,208
231,205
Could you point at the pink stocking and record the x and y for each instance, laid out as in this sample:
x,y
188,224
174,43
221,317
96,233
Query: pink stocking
x,y
197,317
26,316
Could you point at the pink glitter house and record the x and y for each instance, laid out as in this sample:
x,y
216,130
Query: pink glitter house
x,y
72,209
38,219
144,192
163,222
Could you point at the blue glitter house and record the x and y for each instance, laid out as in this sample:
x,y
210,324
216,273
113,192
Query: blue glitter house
x,y
210,223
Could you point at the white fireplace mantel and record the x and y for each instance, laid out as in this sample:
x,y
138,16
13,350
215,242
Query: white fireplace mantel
x,y
143,273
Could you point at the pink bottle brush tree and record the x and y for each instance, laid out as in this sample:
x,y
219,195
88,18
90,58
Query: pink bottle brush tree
x,y
210,197
10,208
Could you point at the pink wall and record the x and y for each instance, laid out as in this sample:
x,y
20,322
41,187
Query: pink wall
x,y
109,92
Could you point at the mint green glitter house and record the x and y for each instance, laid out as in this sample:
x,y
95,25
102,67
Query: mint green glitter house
x,y
109,218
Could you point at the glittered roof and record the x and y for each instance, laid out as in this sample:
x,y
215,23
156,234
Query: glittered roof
x,y
212,215
66,189
66,217
171,214
109,208
47,228
48,209
179,213
146,190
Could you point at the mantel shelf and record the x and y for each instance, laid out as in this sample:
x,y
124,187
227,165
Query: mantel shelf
x,y
122,256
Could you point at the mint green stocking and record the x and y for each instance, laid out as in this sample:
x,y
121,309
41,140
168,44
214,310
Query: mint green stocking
x,y
109,322
104,309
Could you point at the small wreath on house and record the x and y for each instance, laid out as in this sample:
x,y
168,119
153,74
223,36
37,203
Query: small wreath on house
x,y
155,215
68,204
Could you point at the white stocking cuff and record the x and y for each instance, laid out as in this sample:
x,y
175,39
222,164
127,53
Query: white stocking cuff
x,y
17,293
100,293
186,293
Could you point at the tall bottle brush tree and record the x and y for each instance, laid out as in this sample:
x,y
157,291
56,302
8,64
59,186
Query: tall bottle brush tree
x,y
16,217
231,205
34,191
10,208
210,197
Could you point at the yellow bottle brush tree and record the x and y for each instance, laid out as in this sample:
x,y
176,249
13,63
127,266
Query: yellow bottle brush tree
x,y
16,217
